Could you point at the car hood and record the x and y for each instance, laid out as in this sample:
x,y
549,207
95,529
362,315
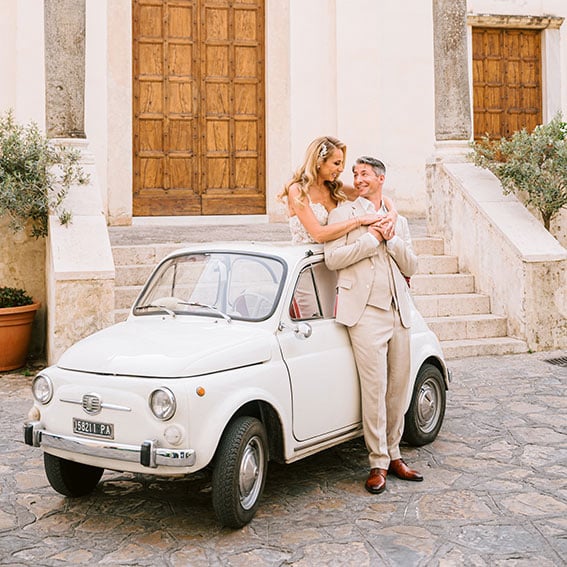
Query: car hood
x,y
169,348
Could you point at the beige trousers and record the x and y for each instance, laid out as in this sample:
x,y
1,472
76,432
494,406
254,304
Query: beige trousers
x,y
381,347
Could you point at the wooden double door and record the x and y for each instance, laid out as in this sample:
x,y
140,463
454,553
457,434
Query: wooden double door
x,y
198,124
507,93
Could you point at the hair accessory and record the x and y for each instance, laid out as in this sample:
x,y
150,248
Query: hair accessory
x,y
324,150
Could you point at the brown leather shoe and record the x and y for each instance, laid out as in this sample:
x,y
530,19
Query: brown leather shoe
x,y
401,470
376,481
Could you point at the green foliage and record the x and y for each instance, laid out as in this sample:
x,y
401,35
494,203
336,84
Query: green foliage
x,y
13,297
35,176
531,164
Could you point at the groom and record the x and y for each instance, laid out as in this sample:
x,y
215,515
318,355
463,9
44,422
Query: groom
x,y
374,304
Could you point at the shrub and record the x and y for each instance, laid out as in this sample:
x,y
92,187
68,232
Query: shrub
x,y
35,176
533,165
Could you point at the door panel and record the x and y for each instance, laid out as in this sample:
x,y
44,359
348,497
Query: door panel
x,y
324,379
198,107
506,81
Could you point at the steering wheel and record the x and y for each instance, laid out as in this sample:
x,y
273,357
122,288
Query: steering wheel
x,y
252,304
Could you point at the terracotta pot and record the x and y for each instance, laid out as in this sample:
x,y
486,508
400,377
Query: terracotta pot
x,y
15,335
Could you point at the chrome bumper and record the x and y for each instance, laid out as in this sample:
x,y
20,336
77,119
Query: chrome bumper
x,y
147,454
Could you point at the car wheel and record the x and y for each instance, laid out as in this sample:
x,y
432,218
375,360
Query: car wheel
x,y
239,472
427,408
70,478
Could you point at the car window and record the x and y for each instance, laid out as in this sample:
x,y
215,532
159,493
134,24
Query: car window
x,y
242,286
314,295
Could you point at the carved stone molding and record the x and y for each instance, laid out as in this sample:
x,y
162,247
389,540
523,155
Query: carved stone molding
x,y
525,22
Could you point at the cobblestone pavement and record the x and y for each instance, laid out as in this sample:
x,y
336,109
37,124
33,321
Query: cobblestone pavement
x,y
494,493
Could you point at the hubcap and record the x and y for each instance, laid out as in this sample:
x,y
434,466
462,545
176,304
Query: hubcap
x,y
428,407
251,473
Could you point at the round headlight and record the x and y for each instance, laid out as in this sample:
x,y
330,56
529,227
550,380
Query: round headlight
x,y
162,403
42,389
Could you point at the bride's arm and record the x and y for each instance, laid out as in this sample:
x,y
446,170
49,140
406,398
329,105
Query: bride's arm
x,y
318,232
392,212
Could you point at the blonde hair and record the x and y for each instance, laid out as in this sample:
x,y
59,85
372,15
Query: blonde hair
x,y
318,152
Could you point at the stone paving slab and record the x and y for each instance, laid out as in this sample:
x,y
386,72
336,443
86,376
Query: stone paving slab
x,y
495,493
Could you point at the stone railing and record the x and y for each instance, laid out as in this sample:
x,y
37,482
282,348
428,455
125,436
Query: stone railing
x,y
518,263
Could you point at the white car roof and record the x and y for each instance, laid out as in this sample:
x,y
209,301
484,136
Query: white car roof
x,y
289,252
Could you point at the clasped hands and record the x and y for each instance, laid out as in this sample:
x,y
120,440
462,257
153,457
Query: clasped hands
x,y
383,227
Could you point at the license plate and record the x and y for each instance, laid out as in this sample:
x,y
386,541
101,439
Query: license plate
x,y
93,428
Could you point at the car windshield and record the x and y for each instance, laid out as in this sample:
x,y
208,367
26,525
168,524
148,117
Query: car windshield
x,y
214,284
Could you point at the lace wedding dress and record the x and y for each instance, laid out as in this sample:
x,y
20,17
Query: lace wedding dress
x,y
298,233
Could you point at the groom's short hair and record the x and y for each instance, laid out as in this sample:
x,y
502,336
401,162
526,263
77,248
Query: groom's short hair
x,y
377,166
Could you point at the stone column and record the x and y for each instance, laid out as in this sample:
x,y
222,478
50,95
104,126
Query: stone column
x,y
79,267
65,68
452,99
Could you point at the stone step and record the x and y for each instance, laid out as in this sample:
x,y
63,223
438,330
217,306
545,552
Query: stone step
x,y
121,315
130,254
124,296
428,245
136,273
148,254
468,326
437,264
445,305
482,347
131,275
437,284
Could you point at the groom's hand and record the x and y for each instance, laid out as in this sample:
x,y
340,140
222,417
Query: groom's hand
x,y
384,229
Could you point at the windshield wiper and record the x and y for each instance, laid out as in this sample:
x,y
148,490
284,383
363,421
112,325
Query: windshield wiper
x,y
154,306
207,306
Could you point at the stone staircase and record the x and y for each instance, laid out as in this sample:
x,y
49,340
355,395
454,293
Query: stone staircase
x,y
459,316
133,264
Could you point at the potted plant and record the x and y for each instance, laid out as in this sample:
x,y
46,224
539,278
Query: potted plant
x,y
17,312
35,177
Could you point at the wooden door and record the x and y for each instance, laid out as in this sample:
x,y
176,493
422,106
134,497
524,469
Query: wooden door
x,y
506,81
198,68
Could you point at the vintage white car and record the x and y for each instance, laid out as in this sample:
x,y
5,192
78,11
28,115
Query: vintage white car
x,y
230,357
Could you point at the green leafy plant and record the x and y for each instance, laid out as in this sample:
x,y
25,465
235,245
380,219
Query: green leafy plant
x,y
35,176
530,164
14,297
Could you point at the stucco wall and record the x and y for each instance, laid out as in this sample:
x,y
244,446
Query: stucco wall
x,y
355,75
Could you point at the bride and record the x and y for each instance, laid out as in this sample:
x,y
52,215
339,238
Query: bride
x,y
315,190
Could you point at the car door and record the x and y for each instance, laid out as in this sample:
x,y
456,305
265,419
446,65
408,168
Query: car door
x,y
323,376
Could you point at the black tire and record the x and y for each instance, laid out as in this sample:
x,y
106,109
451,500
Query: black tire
x,y
70,478
425,414
239,472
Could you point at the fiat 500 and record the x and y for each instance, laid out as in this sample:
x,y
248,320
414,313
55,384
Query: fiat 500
x,y
230,357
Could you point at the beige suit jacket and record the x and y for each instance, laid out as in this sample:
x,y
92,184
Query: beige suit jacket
x,y
352,255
